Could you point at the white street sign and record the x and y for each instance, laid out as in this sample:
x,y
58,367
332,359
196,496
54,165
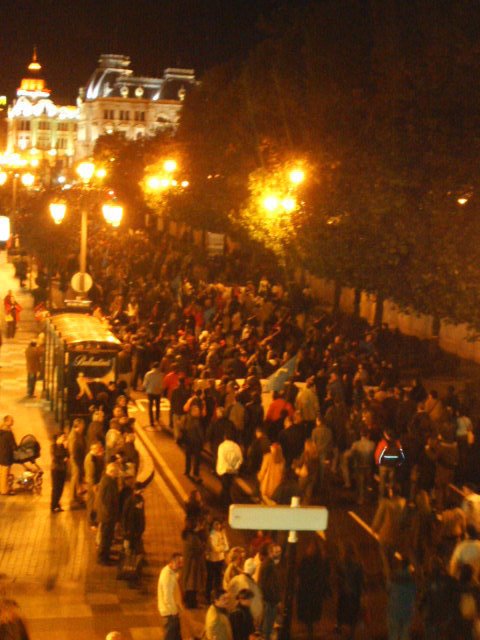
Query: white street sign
x,y
246,516
81,282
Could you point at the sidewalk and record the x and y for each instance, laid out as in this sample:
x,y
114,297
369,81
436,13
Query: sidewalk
x,y
48,562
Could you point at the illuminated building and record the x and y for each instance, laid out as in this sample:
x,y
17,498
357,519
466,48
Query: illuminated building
x,y
38,129
115,100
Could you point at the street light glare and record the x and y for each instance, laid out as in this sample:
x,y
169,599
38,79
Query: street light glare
x,y
462,201
101,173
297,176
270,203
57,211
3,178
154,183
28,179
170,166
289,204
85,170
113,214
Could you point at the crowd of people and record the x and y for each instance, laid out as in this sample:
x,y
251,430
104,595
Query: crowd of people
x,y
345,421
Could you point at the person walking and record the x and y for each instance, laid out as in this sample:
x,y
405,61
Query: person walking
x,y
313,586
387,523
269,583
7,447
107,506
350,587
169,598
12,314
153,386
193,441
180,396
229,461
271,471
402,592
32,356
60,457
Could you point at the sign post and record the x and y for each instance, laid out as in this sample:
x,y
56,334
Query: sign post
x,y
293,518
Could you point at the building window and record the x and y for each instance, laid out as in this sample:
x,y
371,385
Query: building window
x,y
63,126
62,143
43,126
124,115
43,142
24,125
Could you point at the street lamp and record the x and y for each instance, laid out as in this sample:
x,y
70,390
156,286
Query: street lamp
x,y
112,212
296,176
28,179
170,166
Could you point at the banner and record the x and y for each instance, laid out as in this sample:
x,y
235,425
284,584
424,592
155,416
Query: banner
x,y
277,380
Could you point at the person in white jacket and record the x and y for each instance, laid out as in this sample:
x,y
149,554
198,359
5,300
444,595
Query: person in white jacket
x,y
216,551
229,461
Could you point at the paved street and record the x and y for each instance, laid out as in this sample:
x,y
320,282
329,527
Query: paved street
x,y
47,563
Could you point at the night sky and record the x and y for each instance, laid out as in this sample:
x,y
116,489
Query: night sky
x,y
70,35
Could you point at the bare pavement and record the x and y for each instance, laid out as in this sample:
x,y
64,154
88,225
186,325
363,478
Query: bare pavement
x,y
48,562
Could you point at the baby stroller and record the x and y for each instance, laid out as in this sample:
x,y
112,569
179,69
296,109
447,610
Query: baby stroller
x,y
26,454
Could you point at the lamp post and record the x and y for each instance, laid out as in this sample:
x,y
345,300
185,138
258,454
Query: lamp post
x,y
112,213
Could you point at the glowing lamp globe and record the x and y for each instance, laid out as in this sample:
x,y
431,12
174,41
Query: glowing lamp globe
x,y
289,204
154,183
28,179
113,214
57,211
170,166
271,203
297,176
85,171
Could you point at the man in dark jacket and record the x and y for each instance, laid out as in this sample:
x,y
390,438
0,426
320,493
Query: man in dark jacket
x,y
180,395
59,470
193,440
7,447
241,619
270,584
107,505
291,440
133,520
216,432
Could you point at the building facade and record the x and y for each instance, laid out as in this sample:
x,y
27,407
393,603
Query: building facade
x,y
38,129
115,100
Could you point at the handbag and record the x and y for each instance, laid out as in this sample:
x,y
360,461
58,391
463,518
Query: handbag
x,y
302,471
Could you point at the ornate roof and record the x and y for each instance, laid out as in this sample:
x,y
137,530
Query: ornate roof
x,y
113,78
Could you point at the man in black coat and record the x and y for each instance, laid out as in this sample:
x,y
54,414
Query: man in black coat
x,y
107,511
241,619
7,447
193,440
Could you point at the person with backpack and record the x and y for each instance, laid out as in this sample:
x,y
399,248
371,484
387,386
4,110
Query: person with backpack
x,y
388,456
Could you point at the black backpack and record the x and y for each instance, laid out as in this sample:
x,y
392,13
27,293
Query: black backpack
x,y
392,455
